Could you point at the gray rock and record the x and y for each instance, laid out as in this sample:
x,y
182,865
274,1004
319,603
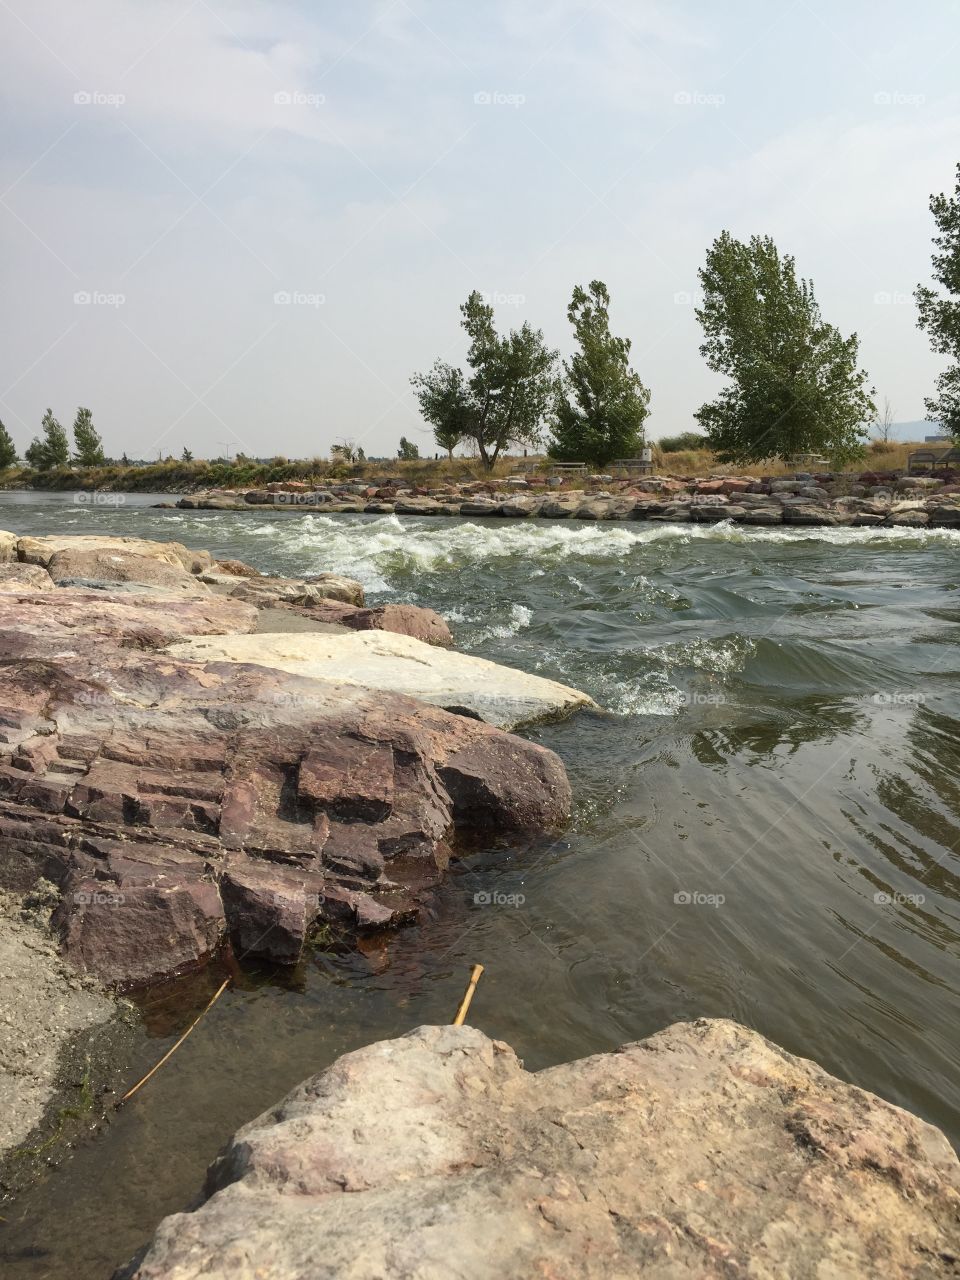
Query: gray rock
x,y
704,1151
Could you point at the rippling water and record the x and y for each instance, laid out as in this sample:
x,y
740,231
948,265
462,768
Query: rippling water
x,y
767,827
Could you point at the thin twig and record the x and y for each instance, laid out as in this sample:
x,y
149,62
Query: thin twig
x,y
174,1047
468,995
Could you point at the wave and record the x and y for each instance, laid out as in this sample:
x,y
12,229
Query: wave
x,y
368,548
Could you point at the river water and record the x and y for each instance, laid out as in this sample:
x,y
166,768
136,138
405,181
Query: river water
x,y
766,828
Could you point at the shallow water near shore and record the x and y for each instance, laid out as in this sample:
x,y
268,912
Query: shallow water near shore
x,y
766,827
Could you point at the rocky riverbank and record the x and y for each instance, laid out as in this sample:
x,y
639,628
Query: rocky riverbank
x,y
704,1151
191,780
858,500
62,1039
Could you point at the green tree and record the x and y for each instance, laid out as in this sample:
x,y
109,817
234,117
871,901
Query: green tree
x,y
503,396
408,451
8,450
186,456
795,382
601,404
50,450
86,440
940,316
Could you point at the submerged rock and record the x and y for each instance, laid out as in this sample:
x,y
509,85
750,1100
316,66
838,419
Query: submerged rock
x,y
703,1151
500,695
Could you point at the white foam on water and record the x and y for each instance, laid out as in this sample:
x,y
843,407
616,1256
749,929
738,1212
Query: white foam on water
x,y
520,617
368,549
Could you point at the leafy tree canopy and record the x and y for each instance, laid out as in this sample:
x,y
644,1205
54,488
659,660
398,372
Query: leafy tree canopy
x,y
52,448
503,395
939,315
86,440
8,450
600,404
408,451
795,385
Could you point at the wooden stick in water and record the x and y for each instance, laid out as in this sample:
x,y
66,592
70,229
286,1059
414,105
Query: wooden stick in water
x,y
468,995
174,1047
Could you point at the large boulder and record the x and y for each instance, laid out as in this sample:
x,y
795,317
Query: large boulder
x,y
704,1151
400,664
39,622
42,550
15,577
8,546
89,567
403,619
268,592
167,798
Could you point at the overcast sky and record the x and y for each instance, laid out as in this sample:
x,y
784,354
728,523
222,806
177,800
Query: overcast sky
x,y
182,165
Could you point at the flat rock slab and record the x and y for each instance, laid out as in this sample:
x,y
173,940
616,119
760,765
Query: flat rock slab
x,y
179,806
401,664
703,1152
35,621
42,550
73,566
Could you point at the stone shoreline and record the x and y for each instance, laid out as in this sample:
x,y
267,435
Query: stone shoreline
x,y
194,779
857,501
704,1151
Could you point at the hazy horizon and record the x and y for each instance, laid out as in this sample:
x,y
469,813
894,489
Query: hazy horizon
x,y
172,172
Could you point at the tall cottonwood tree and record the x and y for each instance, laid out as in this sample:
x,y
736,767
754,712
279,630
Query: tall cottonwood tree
x,y
795,382
940,315
503,395
601,404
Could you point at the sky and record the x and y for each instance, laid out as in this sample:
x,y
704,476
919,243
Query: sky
x,y
242,226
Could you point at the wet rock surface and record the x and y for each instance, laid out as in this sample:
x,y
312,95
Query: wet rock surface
x,y
703,1151
137,783
181,806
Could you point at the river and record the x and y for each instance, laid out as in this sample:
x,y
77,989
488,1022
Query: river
x,y
766,828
